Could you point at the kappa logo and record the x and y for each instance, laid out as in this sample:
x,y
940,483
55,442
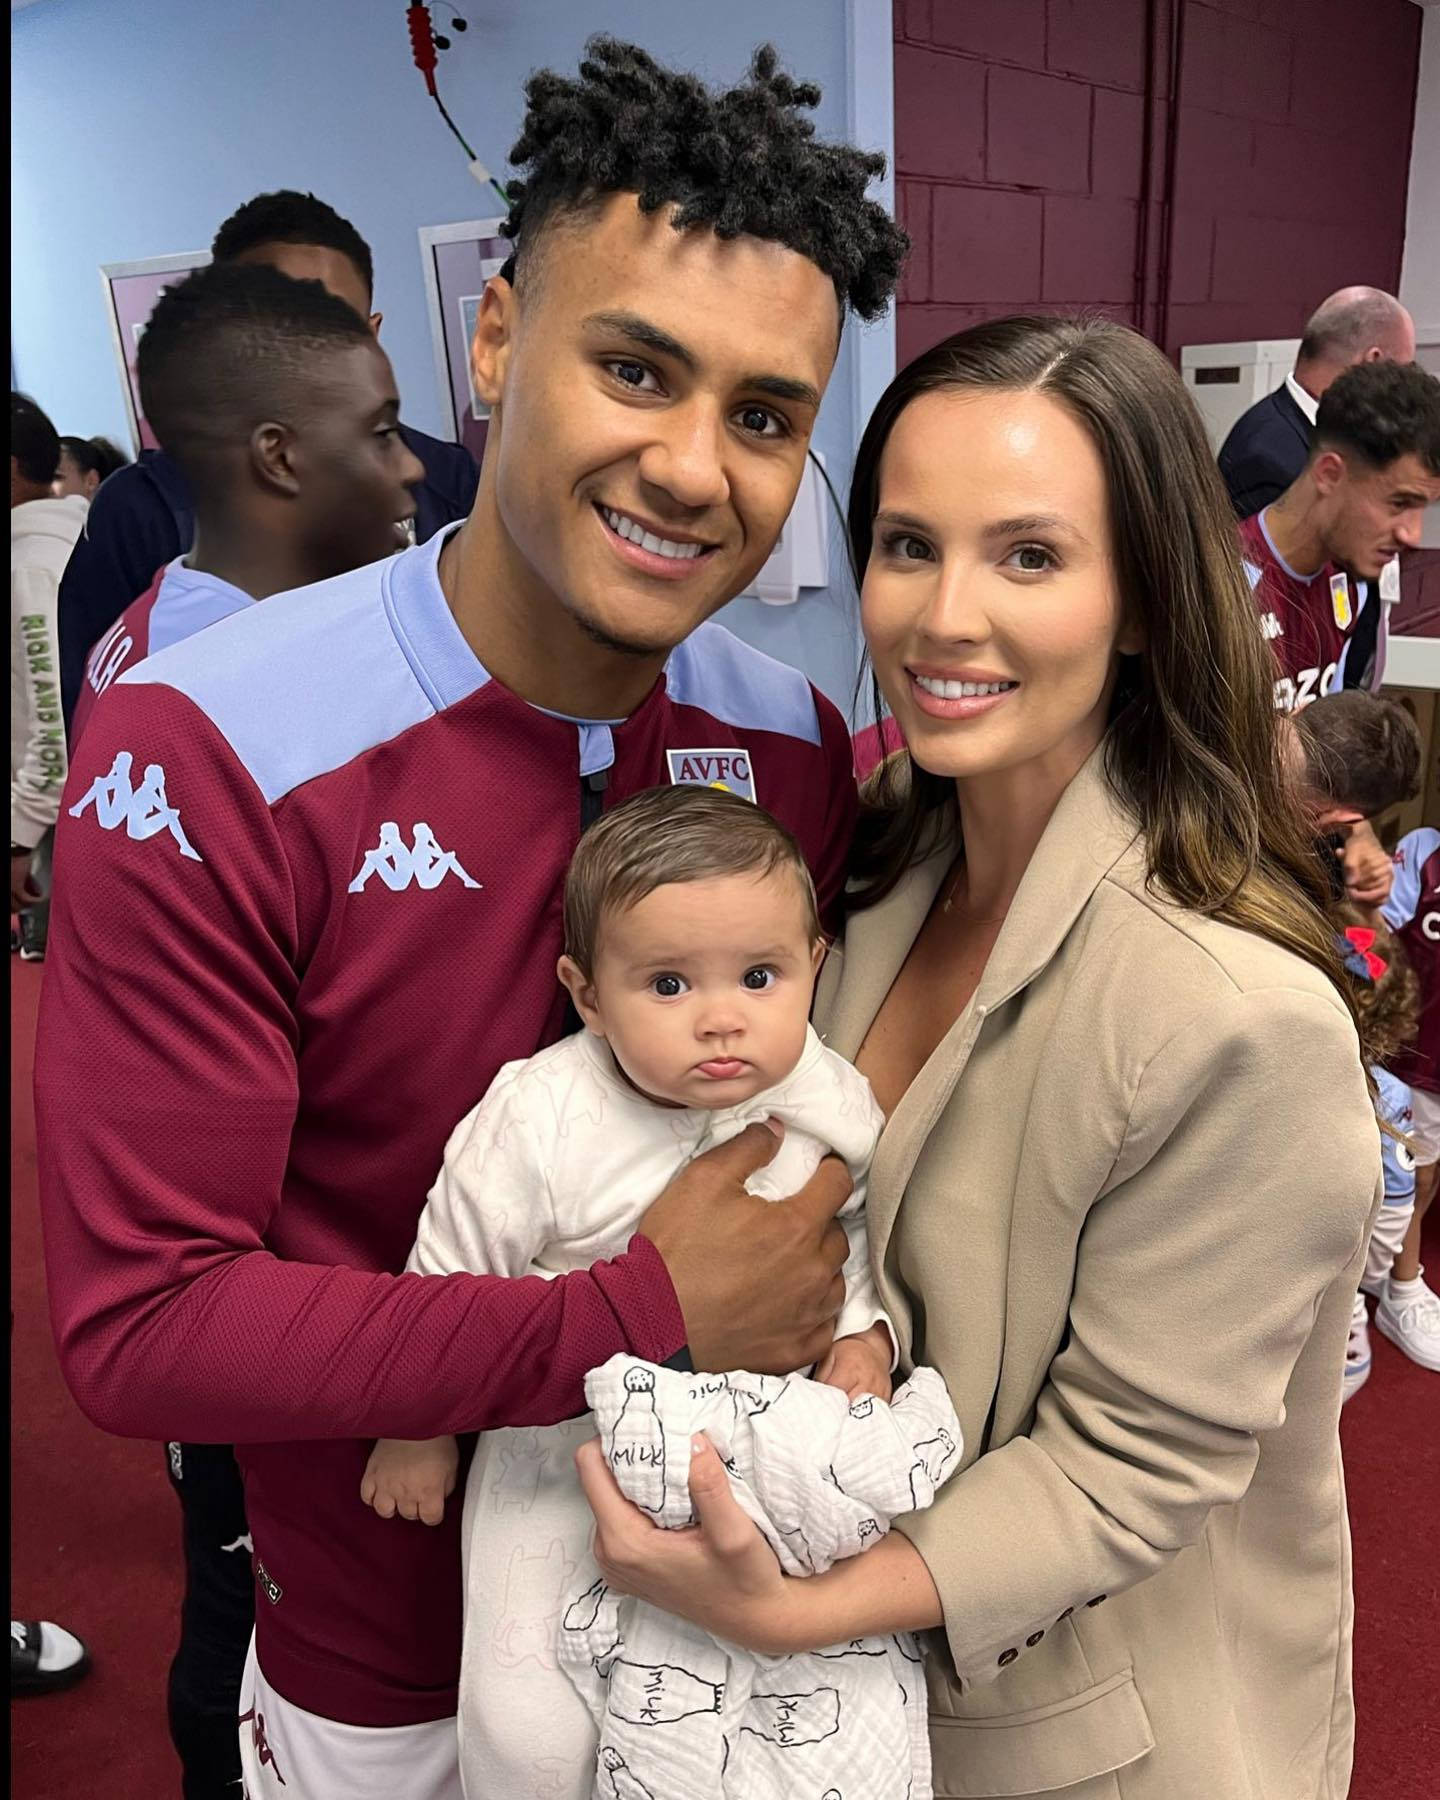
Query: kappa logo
x,y
261,1742
143,810
421,862
729,769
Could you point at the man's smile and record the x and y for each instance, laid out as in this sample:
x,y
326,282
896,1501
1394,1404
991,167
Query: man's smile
x,y
669,555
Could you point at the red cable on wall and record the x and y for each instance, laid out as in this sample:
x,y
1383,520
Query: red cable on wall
x,y
422,48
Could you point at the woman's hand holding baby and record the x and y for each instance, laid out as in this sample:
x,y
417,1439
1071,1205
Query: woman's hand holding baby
x,y
413,1479
858,1365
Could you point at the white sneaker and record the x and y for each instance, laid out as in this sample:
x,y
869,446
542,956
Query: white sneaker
x,y
1357,1352
1411,1321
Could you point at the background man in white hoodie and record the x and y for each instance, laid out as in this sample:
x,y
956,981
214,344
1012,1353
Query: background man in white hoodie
x,y
43,531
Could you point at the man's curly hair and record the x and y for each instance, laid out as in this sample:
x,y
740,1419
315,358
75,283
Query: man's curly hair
x,y
745,161
1381,411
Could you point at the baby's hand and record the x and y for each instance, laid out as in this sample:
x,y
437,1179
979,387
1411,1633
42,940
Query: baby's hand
x,y
413,1479
859,1364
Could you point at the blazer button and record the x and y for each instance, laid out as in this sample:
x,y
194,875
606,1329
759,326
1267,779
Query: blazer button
x,y
1007,1657
1033,1639
1096,1601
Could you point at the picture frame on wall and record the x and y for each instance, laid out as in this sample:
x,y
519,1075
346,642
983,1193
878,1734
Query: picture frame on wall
x,y
457,261
131,290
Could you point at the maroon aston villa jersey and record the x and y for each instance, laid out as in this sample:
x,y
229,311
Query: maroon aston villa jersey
x,y
1306,619
178,603
1413,913
308,901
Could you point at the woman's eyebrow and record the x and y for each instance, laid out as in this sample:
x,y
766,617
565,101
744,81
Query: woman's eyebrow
x,y
906,521
1025,522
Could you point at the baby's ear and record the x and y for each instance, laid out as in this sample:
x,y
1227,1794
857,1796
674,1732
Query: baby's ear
x,y
582,991
817,954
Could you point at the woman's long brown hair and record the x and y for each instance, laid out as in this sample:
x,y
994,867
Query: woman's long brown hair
x,y
1192,746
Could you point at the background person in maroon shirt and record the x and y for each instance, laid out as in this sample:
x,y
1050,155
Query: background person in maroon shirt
x,y
1314,556
313,901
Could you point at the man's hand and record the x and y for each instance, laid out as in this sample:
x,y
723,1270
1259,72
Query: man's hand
x,y
23,892
758,1281
1368,868
859,1365
413,1479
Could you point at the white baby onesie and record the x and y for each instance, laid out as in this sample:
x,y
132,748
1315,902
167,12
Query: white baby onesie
x,y
551,1172
681,1714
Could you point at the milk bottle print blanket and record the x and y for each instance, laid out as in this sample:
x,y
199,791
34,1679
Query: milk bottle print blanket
x,y
682,1716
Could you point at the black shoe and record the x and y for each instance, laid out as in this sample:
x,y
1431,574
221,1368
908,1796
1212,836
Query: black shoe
x,y
66,1657
34,929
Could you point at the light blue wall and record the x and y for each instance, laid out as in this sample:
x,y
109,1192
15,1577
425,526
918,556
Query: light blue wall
x,y
137,125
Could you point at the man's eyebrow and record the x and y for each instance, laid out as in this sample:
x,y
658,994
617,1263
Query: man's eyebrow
x,y
641,331
784,387
652,337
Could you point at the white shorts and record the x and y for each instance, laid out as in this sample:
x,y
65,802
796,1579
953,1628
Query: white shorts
x,y
1424,1130
287,1753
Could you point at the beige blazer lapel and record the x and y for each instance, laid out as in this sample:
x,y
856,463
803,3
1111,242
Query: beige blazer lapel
x,y
1088,833
1086,836
861,967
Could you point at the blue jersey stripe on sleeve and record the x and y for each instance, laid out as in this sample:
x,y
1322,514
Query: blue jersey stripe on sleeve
x,y
716,672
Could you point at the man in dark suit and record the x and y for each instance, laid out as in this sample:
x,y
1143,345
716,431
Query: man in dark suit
x,y
1268,446
144,519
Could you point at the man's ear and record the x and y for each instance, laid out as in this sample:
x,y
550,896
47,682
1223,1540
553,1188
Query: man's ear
x,y
375,319
494,335
582,991
272,457
1327,471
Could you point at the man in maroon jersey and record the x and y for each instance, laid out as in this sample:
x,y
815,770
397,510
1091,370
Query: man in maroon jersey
x,y
1314,556
277,408
313,899
274,400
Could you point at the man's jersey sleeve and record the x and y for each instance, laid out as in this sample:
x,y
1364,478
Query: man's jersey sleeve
x,y
842,807
129,534
166,1090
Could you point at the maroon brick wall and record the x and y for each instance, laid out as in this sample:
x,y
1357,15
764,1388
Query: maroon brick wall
x,y
1020,152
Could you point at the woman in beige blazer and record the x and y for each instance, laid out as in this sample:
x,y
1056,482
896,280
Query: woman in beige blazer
x,y
1122,1200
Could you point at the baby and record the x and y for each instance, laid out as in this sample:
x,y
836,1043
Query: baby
x,y
692,942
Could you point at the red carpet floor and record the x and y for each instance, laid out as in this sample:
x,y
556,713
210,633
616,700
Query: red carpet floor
x,y
95,1545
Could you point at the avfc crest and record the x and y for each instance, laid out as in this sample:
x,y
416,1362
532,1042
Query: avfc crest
x,y
728,769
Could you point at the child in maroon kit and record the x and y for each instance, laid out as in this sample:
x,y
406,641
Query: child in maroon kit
x,y
1408,1310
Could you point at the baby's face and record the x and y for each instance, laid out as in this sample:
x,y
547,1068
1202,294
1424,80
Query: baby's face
x,y
703,988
